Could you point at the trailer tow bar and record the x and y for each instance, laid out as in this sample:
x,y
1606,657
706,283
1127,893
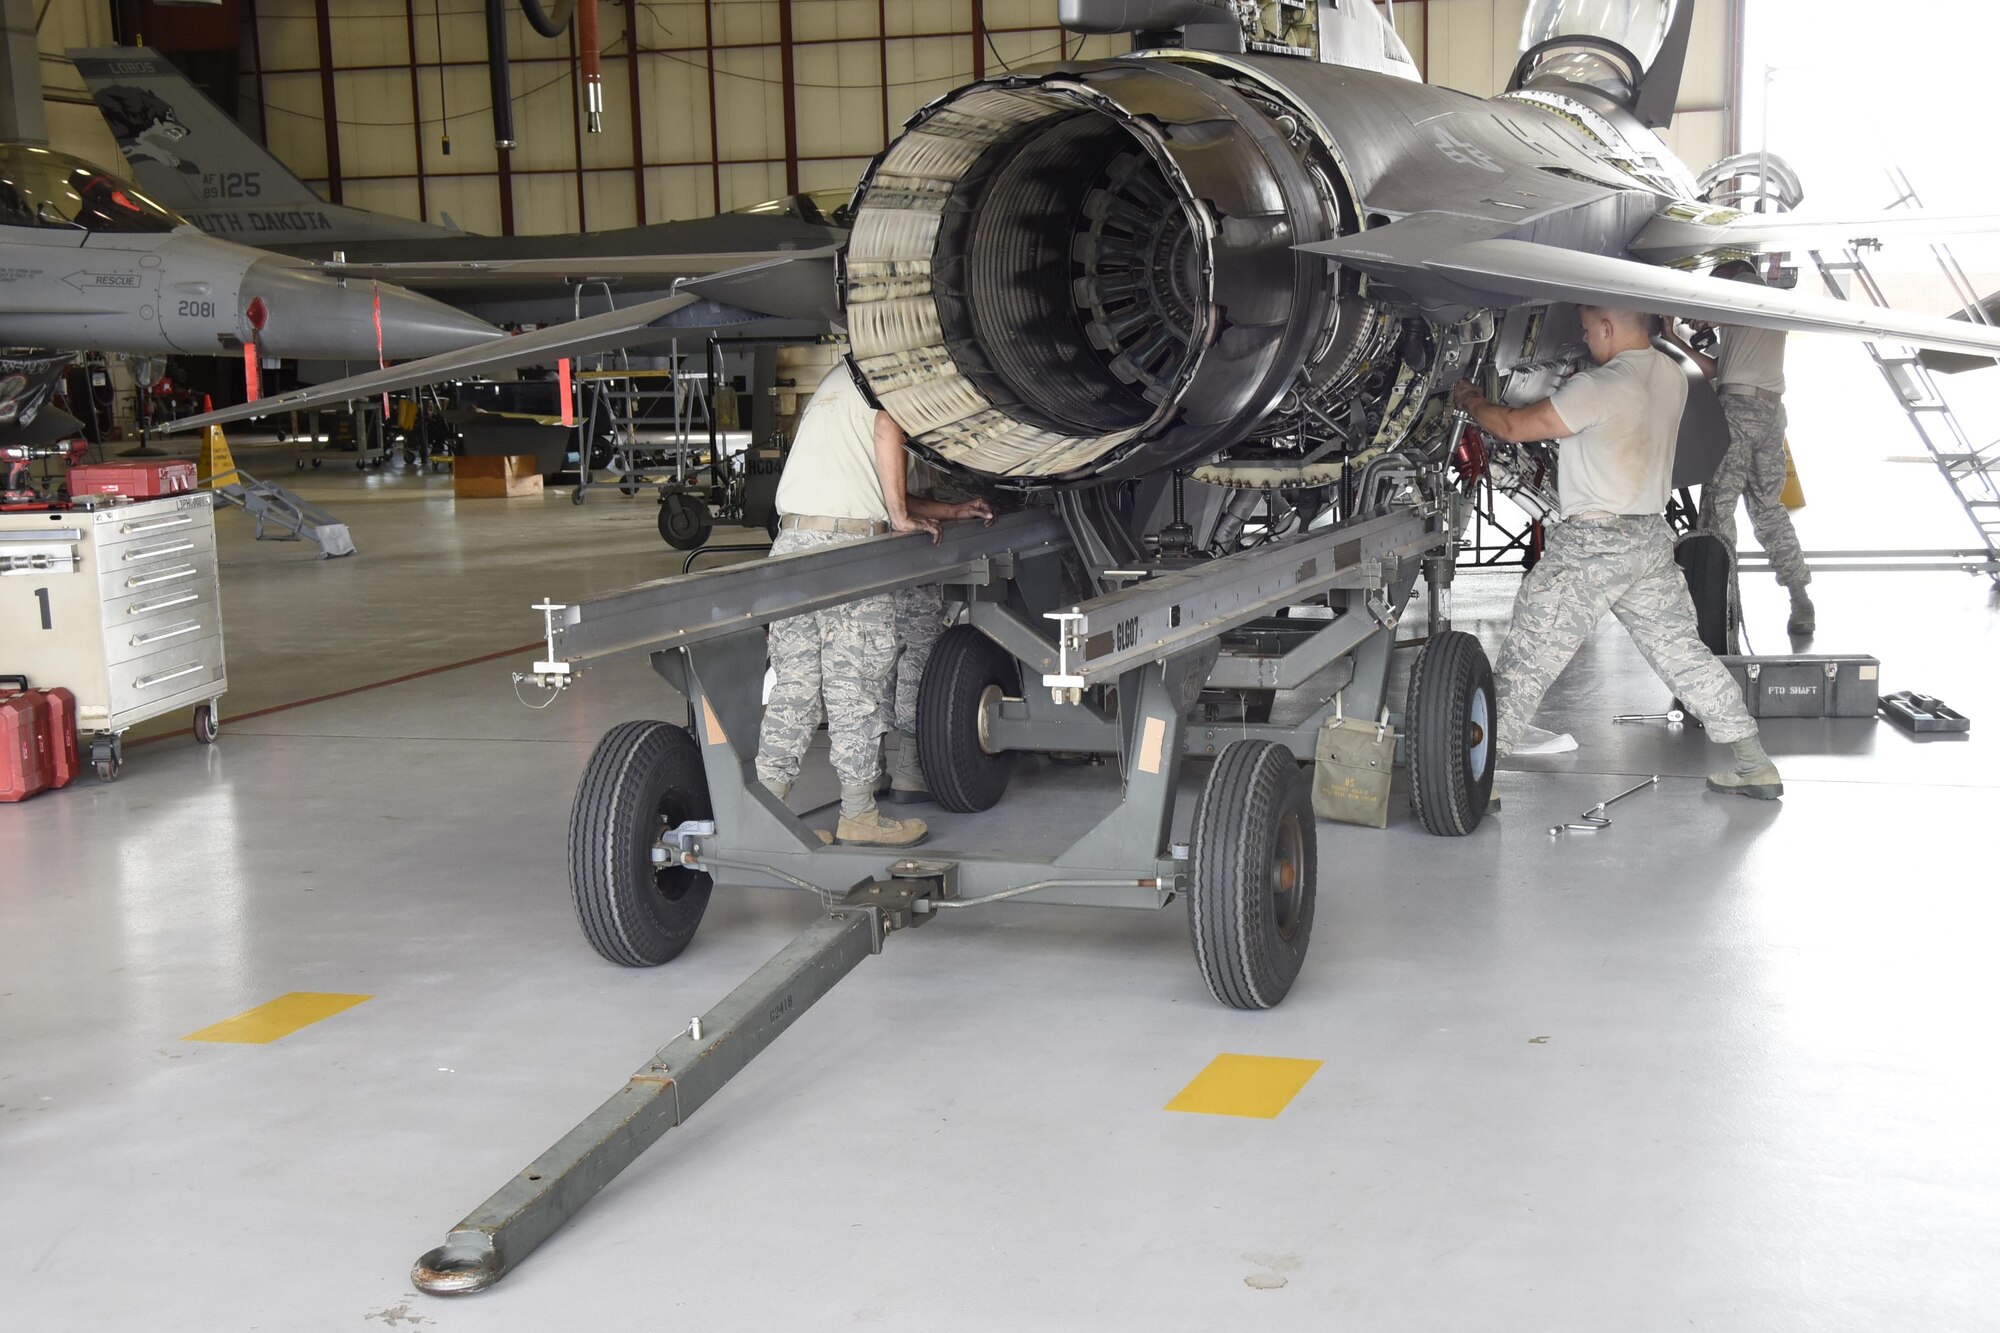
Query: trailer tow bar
x,y
676,1082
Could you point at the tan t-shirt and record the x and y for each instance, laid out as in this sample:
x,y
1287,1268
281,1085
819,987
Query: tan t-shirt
x,y
1751,357
1625,419
830,472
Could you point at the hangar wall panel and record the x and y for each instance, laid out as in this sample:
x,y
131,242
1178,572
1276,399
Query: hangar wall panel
x,y
716,129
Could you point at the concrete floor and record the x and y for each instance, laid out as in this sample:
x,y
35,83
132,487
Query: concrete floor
x,y
1725,1065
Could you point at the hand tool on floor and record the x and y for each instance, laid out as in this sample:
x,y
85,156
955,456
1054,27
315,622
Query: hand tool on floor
x,y
1593,819
1673,717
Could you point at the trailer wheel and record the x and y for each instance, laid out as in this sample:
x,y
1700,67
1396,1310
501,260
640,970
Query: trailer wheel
x,y
1450,726
1253,870
684,521
643,779
967,671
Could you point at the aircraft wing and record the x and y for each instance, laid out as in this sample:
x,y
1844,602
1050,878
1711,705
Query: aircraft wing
x,y
569,269
785,287
1503,272
1674,235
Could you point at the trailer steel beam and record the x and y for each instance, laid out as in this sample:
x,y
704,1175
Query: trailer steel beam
x,y
694,608
661,1095
1156,617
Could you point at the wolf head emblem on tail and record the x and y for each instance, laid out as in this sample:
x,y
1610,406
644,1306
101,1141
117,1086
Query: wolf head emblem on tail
x,y
145,126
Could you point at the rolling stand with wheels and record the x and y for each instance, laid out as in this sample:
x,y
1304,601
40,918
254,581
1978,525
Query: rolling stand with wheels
x,y
120,603
1203,660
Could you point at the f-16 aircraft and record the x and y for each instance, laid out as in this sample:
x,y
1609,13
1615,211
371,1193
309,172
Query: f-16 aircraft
x,y
1260,260
195,160
88,260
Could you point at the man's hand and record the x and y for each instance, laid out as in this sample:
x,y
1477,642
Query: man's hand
x,y
1465,397
911,523
978,509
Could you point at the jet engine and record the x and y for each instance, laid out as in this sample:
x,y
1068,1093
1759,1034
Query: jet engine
x,y
1089,273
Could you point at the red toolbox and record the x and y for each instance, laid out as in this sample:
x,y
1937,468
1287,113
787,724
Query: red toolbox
x,y
139,480
24,746
47,742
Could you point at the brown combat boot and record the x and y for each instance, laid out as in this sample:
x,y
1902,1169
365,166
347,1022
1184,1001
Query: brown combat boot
x,y
871,829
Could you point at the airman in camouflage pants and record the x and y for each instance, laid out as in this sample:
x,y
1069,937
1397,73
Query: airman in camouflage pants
x,y
919,625
844,653
1624,565
1754,470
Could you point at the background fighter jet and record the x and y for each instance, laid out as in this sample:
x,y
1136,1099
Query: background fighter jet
x,y
1257,269
87,260
197,161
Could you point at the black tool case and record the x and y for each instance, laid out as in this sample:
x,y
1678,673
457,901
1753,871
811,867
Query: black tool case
x,y
1845,685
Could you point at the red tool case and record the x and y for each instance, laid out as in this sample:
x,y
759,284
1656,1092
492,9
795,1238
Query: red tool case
x,y
38,740
138,481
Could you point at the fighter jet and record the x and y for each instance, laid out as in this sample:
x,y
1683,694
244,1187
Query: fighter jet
x,y
1258,262
193,158
88,260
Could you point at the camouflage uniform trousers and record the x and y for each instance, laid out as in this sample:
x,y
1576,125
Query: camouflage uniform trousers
x,y
1753,469
920,623
1624,565
839,659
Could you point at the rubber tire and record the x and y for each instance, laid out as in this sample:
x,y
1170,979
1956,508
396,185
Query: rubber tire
x,y
643,775
1256,792
963,666
684,521
206,728
1450,672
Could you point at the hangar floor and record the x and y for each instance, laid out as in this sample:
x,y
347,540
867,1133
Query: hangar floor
x,y
1725,1064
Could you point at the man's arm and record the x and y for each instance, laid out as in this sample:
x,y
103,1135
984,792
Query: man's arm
x,y
889,471
1515,425
924,507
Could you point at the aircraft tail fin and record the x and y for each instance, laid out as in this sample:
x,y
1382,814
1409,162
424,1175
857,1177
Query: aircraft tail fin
x,y
180,146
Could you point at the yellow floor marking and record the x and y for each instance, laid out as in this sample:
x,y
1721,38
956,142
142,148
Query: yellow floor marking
x,y
1257,1086
278,1018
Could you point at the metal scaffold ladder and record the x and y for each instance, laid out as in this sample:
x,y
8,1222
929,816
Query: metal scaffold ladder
x,y
1967,469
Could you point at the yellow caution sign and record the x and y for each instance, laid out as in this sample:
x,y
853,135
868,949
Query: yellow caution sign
x,y
1794,495
216,463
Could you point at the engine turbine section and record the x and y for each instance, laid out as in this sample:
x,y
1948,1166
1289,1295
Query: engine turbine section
x,y
1089,273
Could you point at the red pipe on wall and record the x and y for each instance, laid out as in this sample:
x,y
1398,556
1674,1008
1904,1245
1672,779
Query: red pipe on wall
x,y
589,52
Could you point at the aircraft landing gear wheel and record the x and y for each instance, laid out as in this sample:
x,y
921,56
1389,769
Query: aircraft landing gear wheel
x,y
684,521
968,673
1450,727
643,779
1253,867
206,725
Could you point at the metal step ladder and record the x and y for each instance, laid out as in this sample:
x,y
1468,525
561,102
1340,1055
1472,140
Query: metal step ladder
x,y
1967,469
595,408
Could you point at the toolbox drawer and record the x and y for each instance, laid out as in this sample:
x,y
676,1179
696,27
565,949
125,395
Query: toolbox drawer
x,y
147,682
1808,685
187,596
116,563
167,628
153,520
181,570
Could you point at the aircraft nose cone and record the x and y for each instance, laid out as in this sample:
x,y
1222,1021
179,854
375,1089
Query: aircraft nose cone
x,y
312,316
